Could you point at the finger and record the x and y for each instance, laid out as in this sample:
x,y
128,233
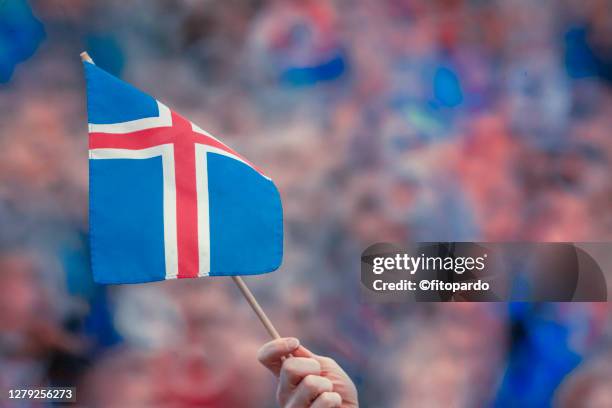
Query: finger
x,y
302,351
309,389
327,400
295,369
327,364
271,353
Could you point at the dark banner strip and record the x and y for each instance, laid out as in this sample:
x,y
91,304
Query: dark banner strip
x,y
487,272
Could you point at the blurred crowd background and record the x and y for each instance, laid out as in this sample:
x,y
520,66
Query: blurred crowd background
x,y
379,120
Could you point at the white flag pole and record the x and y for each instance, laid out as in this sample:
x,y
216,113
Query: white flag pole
x,y
244,289
85,57
248,295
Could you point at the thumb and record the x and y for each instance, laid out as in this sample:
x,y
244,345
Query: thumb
x,y
272,353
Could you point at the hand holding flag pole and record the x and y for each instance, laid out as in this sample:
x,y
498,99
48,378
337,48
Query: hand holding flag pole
x,y
246,292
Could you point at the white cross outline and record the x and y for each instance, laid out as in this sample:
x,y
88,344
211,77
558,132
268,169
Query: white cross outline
x,y
166,151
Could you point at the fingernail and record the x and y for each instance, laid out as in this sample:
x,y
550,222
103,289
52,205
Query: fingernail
x,y
292,343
